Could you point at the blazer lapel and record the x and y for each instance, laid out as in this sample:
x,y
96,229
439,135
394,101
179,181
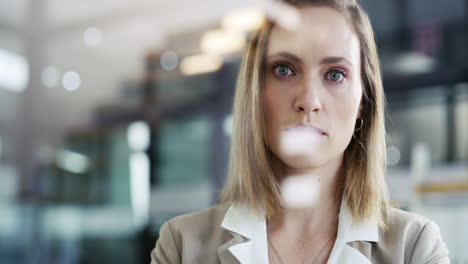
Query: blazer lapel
x,y
349,255
345,250
225,255
249,242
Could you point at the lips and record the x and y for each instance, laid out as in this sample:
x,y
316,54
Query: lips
x,y
305,128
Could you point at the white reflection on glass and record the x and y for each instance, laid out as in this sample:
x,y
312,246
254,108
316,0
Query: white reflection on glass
x,y
300,191
299,142
71,81
284,15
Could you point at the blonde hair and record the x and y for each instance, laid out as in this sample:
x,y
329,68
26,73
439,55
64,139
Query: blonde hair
x,y
252,178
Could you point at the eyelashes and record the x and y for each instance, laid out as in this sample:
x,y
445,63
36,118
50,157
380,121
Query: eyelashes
x,y
336,75
283,70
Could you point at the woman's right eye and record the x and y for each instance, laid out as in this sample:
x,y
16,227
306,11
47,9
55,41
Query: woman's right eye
x,y
283,70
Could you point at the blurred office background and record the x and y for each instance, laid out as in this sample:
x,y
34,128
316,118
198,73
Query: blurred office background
x,y
115,116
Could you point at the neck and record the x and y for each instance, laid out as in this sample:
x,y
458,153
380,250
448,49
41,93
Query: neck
x,y
322,215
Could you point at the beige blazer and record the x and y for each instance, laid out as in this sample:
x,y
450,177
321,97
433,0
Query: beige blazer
x,y
234,234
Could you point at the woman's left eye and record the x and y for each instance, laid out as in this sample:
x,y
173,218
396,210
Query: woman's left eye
x,y
336,75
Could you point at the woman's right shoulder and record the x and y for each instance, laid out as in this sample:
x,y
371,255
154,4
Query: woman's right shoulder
x,y
193,230
207,218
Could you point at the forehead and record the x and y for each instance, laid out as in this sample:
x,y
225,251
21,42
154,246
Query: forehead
x,y
323,31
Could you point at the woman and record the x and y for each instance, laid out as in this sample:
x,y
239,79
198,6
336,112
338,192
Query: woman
x,y
308,120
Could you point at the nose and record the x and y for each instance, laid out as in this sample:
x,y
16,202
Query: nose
x,y
307,100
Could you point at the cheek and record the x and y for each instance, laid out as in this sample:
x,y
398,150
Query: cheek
x,y
348,110
271,104
274,105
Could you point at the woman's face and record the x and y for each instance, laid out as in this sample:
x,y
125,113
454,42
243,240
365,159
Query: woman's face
x,y
312,89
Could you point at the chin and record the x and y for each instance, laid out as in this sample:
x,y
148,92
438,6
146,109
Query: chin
x,y
303,162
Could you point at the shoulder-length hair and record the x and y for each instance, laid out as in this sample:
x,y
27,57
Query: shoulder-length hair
x,y
252,177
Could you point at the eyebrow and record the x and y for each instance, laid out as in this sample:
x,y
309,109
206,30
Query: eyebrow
x,y
332,60
296,59
288,55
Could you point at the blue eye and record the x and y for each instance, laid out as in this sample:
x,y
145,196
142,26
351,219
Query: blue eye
x,y
336,75
283,70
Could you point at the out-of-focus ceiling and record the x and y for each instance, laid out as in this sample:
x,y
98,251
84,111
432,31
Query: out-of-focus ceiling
x,y
130,29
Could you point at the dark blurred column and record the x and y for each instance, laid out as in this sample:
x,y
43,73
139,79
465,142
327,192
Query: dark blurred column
x,y
28,125
225,83
404,26
148,102
451,124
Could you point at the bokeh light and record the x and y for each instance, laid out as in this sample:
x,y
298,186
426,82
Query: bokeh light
x,y
50,77
222,42
243,20
199,64
227,125
138,136
71,81
92,36
393,155
14,71
169,60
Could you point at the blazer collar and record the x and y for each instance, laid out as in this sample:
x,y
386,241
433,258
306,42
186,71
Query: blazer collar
x,y
350,231
249,242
